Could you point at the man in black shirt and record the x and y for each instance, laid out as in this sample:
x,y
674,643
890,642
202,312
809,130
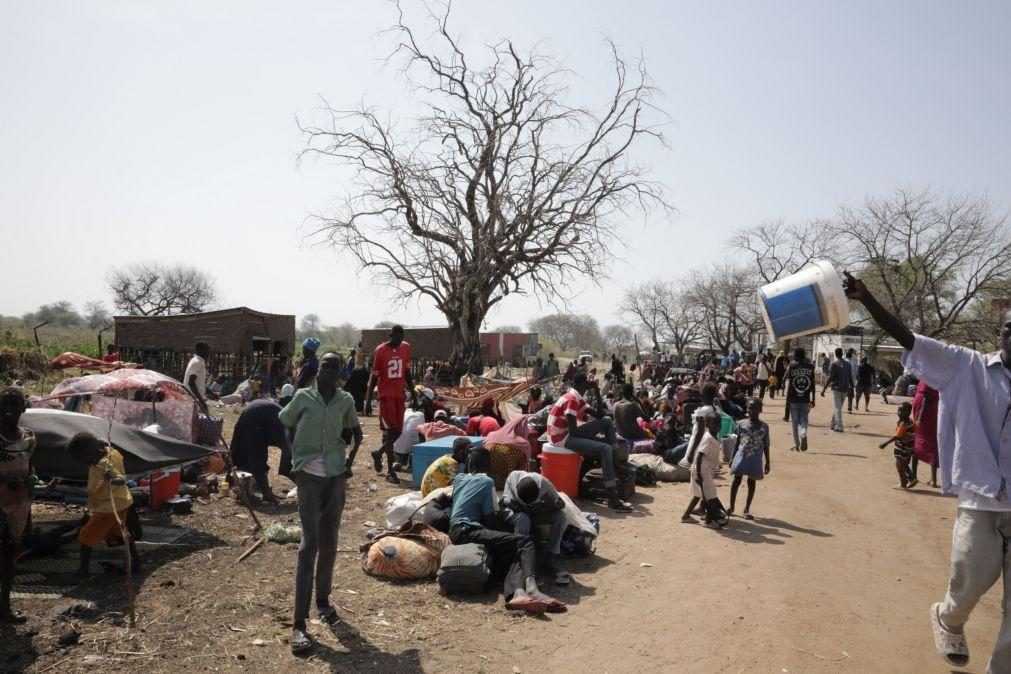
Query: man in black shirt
x,y
799,380
865,382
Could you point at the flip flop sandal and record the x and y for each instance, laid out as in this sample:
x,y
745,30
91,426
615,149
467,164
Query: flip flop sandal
x,y
528,604
952,647
689,520
555,606
620,506
377,460
562,578
749,516
392,478
300,642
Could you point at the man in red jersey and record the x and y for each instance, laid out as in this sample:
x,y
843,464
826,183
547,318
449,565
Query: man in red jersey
x,y
391,369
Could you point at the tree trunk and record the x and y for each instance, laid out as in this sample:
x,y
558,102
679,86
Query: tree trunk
x,y
465,332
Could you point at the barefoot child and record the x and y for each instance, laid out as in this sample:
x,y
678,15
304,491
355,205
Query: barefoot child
x,y
752,444
904,439
16,445
707,458
106,469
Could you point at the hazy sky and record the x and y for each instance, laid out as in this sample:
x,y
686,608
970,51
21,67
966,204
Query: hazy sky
x,y
166,130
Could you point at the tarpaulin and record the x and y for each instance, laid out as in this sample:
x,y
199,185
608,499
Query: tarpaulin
x,y
69,360
148,383
142,452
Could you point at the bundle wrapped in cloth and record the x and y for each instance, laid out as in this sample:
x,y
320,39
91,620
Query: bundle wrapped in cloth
x,y
411,552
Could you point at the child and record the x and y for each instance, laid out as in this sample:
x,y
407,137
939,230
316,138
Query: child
x,y
752,443
106,468
16,446
707,458
905,442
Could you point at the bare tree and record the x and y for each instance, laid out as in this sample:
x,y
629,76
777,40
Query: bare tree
x,y
150,289
682,320
508,328
930,258
645,305
569,331
618,337
725,297
501,187
777,249
96,315
310,325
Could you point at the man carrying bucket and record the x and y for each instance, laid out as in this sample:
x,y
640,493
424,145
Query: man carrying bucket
x,y
974,441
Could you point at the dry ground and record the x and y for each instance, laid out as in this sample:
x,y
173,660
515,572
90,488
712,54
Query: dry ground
x,y
836,574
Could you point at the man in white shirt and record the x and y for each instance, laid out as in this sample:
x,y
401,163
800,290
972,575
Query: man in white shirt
x,y
195,378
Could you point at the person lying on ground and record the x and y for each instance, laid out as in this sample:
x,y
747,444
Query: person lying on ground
x,y
752,445
16,446
473,520
905,443
704,464
439,428
48,542
569,427
258,428
974,439
108,496
535,502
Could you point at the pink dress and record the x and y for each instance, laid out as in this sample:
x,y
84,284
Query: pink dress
x,y
15,469
925,403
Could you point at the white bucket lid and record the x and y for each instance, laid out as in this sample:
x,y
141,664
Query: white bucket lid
x,y
555,449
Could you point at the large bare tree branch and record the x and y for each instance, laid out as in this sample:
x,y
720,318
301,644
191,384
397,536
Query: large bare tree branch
x,y
499,187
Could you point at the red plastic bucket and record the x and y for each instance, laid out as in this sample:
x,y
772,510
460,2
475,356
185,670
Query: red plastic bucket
x,y
164,485
561,467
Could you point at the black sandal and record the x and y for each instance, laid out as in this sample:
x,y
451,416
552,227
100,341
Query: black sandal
x,y
377,460
393,479
300,642
328,614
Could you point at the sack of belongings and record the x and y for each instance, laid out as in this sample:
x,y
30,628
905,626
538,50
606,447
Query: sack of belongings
x,y
411,552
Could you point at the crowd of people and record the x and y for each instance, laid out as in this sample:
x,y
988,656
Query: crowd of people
x,y
701,417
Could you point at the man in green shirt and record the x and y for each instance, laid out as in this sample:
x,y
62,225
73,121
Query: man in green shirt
x,y
323,419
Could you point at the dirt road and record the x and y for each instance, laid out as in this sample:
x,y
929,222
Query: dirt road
x,y
836,574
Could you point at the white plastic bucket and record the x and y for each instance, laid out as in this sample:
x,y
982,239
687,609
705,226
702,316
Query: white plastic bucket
x,y
812,300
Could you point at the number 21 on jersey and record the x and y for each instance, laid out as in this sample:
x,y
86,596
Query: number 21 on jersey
x,y
395,368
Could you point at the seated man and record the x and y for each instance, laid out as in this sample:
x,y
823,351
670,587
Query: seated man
x,y
473,512
534,502
627,413
565,430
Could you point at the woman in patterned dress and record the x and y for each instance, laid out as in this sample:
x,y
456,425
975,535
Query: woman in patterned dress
x,y
16,446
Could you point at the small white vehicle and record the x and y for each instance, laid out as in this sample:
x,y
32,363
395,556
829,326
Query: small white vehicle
x,y
586,355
